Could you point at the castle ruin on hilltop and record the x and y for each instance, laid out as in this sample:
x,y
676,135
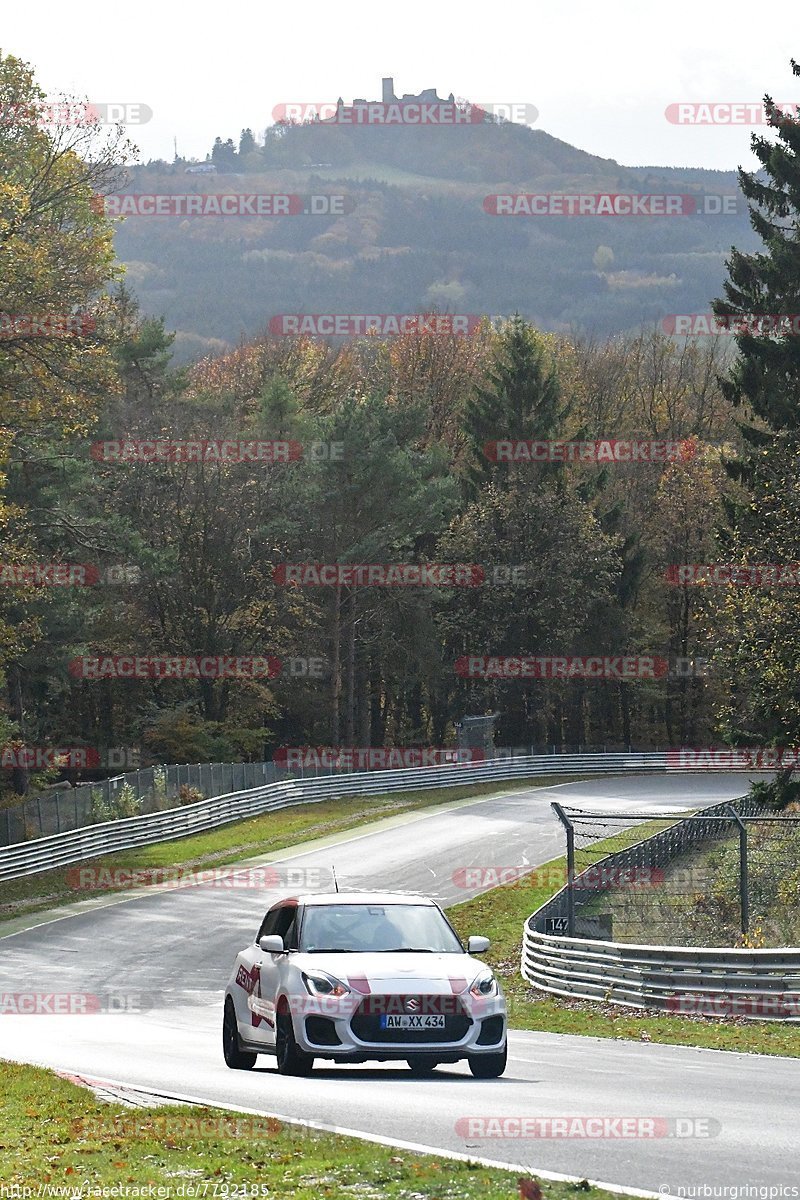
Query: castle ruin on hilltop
x,y
427,96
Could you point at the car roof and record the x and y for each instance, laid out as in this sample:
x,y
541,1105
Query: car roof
x,y
321,898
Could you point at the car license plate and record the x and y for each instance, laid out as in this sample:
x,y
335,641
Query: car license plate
x,y
407,1021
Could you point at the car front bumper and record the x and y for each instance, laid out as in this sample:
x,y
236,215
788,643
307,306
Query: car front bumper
x,y
324,1029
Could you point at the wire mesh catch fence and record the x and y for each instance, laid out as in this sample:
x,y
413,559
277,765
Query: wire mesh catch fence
x,y
726,876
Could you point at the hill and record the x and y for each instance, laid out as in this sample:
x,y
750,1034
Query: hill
x,y
415,234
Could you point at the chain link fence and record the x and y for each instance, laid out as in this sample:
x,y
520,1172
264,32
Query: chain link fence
x,y
725,877
149,790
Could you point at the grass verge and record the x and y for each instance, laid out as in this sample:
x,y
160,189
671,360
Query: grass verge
x,y
57,1135
501,913
240,840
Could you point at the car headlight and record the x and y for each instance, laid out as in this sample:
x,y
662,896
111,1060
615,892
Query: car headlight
x,y
484,984
320,983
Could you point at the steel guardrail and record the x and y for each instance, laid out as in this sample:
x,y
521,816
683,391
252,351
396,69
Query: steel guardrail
x,y
76,845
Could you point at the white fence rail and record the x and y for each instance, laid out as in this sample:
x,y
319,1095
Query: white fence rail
x,y
704,980
28,858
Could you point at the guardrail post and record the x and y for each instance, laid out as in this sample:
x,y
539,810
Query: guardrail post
x,y
565,821
744,883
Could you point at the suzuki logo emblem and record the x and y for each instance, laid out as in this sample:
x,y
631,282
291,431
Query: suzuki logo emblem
x,y
412,1005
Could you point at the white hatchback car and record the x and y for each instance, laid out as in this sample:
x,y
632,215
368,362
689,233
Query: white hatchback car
x,y
358,976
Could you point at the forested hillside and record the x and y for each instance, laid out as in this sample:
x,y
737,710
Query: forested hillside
x,y
194,514
416,234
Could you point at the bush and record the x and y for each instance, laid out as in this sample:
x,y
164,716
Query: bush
x,y
124,803
189,795
782,791
159,785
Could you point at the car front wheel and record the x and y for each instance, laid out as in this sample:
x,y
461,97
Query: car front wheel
x,y
291,1059
235,1058
489,1066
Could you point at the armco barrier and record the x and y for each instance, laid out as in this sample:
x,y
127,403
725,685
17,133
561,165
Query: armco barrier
x,y
754,982
27,858
707,980
157,789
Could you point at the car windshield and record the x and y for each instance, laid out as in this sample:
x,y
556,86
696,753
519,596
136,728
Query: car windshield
x,y
377,928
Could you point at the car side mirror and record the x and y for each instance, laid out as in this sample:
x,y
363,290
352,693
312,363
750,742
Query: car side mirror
x,y
477,944
272,943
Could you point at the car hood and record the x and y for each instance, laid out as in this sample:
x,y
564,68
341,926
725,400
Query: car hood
x,y
436,974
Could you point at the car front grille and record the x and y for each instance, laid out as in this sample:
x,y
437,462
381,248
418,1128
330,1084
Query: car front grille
x,y
366,1021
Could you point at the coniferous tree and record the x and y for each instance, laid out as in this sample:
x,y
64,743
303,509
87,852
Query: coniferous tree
x,y
765,379
521,400
223,155
247,143
756,629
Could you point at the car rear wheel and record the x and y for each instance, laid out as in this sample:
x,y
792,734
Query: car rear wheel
x,y
489,1066
421,1065
291,1059
236,1058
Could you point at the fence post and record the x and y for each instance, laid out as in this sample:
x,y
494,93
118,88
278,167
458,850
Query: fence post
x,y
565,821
744,884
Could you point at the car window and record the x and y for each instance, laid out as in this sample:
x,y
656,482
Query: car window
x,y
282,921
286,924
268,925
377,928
290,935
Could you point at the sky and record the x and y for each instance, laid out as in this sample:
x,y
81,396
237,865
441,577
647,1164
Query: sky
x,y
600,75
